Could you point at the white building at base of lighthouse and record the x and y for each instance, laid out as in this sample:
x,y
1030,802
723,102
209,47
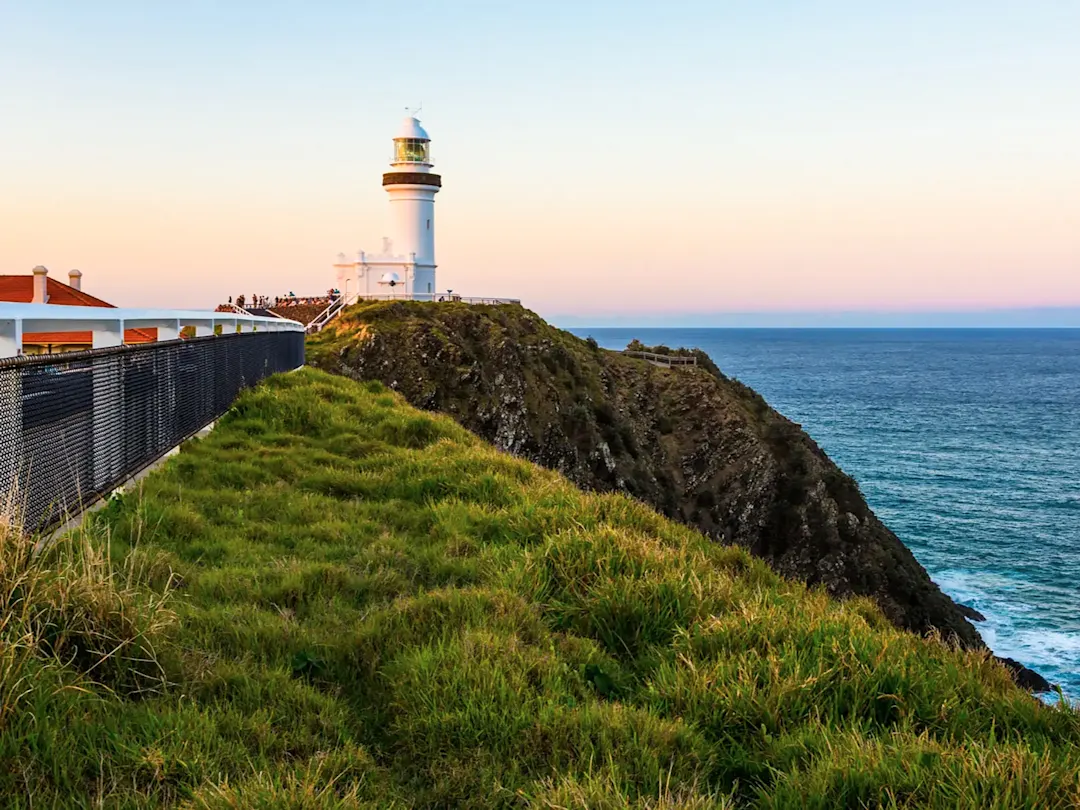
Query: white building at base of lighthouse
x,y
406,266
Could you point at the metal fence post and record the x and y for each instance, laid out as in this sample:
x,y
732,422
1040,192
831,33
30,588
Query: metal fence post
x,y
108,419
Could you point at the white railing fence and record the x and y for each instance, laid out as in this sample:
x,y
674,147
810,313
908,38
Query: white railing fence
x,y
327,315
338,304
107,325
438,298
239,310
663,359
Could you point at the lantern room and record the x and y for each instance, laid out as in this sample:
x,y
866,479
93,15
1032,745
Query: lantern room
x,y
412,145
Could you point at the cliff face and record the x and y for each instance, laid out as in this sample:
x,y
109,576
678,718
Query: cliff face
x,y
699,447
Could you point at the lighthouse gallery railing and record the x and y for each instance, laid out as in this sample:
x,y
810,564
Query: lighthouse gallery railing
x,y
75,425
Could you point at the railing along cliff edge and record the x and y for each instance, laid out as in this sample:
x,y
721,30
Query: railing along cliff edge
x,y
75,425
664,360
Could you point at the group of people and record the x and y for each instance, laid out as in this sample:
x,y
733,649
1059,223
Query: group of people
x,y
254,302
292,300
257,301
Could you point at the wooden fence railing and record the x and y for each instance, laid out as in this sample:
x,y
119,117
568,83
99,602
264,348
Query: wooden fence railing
x,y
664,360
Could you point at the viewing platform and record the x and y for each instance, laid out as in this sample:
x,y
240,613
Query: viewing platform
x,y
663,360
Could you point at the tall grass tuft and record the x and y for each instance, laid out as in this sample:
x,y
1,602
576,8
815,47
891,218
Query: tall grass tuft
x,y
65,604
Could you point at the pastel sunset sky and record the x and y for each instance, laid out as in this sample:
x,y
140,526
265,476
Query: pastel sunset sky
x,y
599,159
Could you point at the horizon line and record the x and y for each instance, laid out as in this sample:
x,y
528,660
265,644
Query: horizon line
x,y
1001,318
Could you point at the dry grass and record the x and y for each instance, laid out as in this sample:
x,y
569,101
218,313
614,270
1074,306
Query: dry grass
x,y
65,606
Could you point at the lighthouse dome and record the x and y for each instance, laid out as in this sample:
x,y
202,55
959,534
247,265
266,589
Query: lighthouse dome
x,y
410,128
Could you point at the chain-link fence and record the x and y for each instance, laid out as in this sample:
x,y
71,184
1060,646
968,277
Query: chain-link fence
x,y
74,426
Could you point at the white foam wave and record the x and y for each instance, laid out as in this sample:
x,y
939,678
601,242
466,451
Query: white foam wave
x,y
1053,653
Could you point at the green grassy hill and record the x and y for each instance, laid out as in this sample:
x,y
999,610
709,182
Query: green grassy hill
x,y
335,600
697,446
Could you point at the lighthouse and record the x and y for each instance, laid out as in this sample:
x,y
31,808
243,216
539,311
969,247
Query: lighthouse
x,y
412,188
406,265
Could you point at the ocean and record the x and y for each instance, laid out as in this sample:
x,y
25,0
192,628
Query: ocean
x,y
965,442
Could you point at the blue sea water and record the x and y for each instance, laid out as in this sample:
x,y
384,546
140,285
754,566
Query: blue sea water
x,y
966,443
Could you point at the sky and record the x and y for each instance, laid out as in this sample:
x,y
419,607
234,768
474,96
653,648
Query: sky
x,y
606,162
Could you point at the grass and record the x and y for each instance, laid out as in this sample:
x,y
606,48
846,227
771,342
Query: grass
x,y
336,601
698,447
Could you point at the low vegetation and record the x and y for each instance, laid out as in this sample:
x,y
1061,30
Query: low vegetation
x,y
337,601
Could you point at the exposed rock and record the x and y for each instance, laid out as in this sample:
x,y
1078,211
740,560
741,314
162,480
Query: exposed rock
x,y
698,446
1026,678
970,612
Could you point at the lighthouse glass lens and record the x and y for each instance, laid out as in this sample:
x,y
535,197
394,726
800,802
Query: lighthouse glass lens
x,y
410,150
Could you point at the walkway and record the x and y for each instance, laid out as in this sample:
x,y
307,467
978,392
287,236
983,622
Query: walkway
x,y
664,360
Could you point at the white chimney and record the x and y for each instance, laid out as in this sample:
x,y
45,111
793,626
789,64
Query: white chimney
x,y
75,279
41,284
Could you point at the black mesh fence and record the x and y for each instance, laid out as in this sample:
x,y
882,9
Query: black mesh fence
x,y
74,426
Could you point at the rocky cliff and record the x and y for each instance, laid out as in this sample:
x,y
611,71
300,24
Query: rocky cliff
x,y
698,446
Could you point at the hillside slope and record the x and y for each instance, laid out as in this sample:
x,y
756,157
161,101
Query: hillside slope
x,y
337,601
699,447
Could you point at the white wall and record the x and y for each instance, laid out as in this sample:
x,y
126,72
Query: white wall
x,y
412,221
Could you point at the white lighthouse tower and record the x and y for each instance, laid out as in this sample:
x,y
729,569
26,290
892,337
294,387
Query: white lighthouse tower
x,y
406,265
412,188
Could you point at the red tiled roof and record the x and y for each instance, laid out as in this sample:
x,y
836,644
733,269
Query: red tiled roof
x,y
20,290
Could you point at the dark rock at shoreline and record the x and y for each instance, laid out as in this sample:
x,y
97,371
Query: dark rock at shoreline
x,y
1025,678
971,612
698,446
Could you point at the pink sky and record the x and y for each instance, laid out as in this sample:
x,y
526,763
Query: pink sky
x,y
807,248
854,159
